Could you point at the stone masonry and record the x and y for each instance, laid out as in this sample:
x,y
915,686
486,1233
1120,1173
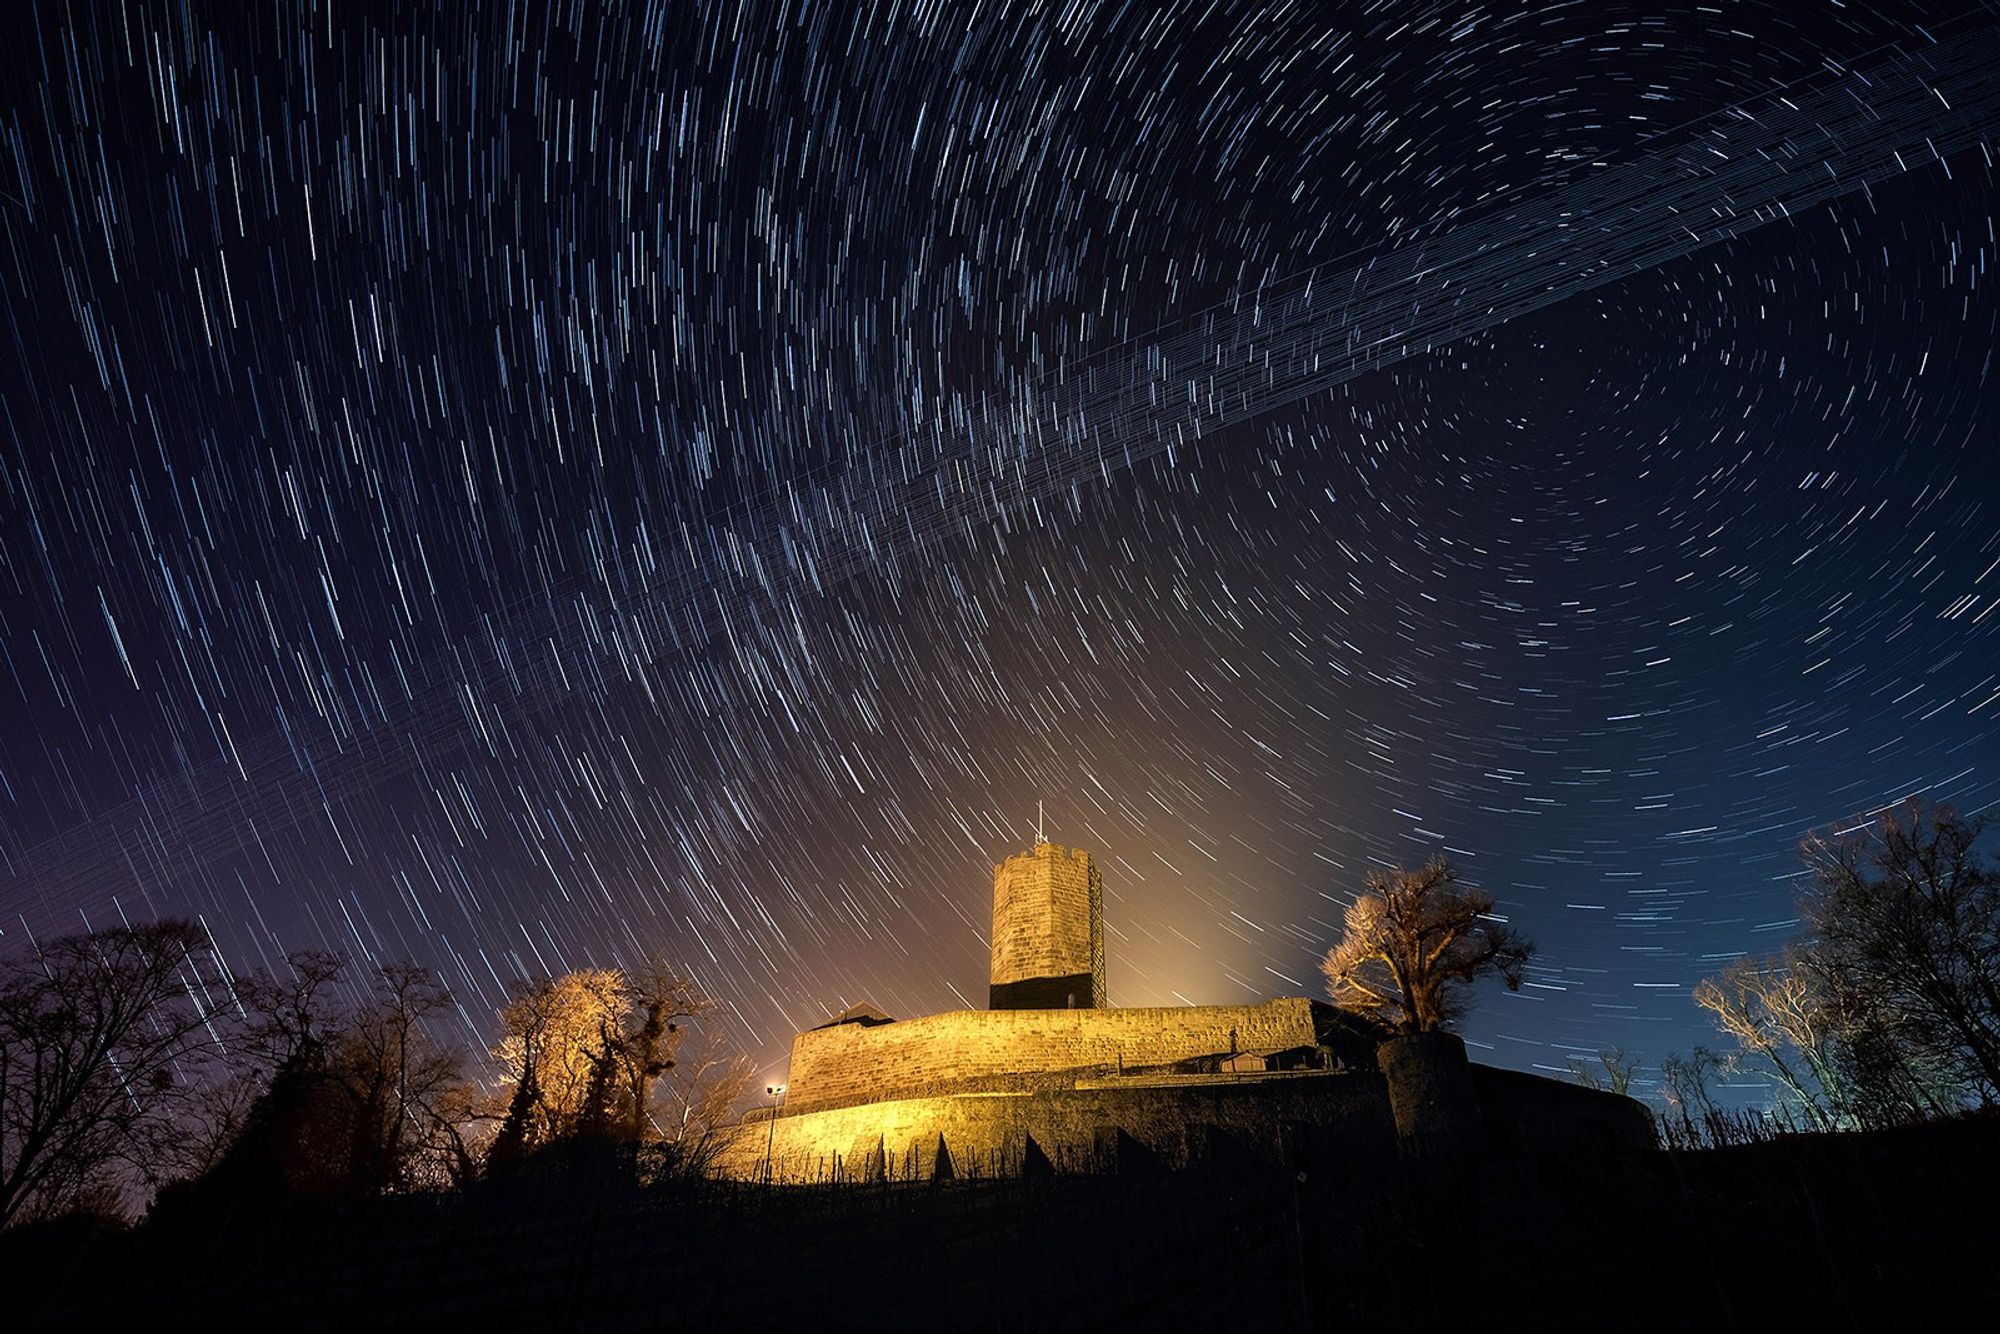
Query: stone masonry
x,y
1048,931
1181,1120
1052,1066
990,1050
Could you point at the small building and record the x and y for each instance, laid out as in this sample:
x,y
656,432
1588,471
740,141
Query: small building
x,y
859,1013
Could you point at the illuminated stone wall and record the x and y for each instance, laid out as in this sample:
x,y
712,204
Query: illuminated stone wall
x,y
1001,1050
1180,1121
1048,930
986,1134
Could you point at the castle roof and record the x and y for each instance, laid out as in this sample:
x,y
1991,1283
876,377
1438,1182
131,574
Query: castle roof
x,y
861,1012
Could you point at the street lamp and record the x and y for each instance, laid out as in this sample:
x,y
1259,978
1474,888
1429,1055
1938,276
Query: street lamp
x,y
774,1092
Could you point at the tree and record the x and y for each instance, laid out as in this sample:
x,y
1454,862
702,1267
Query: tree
x,y
594,1054
516,1135
645,1042
353,1099
100,1037
699,1095
1687,1086
1888,1074
1777,1013
281,1121
1907,913
551,1036
287,1021
1846,1060
1612,1072
1415,943
405,1086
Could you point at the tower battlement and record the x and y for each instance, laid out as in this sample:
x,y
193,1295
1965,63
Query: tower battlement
x,y
1048,931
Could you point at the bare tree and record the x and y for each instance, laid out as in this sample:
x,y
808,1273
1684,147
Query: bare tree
x,y
1889,1073
699,1095
287,1021
213,1119
405,1086
1611,1071
101,1037
1779,1015
1416,942
596,1053
1906,910
1687,1085
352,1099
645,1042
283,1121
1848,1059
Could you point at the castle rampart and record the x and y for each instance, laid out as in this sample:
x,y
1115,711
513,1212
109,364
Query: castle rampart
x,y
991,1050
1177,1122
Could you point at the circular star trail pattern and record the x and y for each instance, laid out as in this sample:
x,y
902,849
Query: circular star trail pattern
x,y
358,361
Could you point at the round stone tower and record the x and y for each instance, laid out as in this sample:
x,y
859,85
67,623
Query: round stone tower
x,y
1048,931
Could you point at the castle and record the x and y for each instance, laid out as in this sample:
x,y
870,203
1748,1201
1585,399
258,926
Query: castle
x,y
1050,1075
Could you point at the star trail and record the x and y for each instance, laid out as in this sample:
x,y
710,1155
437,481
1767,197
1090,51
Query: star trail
x,y
525,486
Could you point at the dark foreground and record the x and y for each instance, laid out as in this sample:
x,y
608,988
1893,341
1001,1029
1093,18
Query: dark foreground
x,y
1847,1232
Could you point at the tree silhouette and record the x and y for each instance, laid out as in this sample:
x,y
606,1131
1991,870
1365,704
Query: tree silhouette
x,y
296,1132
1415,942
352,1100
1687,1086
100,1035
1611,1072
132,1057
1906,912
517,1128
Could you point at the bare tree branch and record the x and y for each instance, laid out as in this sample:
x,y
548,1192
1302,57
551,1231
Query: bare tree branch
x,y
101,1038
1414,944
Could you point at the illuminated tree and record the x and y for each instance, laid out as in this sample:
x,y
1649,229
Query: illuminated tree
x,y
1780,1016
1415,943
1887,1008
551,1033
594,1053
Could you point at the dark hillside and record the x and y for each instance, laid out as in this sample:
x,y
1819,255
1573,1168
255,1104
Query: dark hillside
x,y
1854,1231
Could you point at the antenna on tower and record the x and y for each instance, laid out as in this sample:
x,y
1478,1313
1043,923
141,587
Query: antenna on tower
x,y
1039,840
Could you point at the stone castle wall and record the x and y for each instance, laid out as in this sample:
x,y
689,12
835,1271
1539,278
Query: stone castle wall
x,y
1527,1114
1180,1121
1048,923
986,1134
1001,1050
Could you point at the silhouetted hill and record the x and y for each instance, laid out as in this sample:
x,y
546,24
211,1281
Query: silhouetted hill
x,y
1853,1231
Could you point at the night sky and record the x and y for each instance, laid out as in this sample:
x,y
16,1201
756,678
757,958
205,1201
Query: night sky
x,y
528,486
